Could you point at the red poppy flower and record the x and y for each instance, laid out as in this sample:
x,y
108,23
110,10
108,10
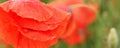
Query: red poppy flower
x,y
31,24
82,14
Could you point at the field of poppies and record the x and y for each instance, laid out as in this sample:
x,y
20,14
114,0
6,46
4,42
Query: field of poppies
x,y
59,24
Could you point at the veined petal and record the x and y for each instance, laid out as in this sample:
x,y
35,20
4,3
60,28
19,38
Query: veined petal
x,y
10,33
45,35
49,23
28,9
28,43
57,16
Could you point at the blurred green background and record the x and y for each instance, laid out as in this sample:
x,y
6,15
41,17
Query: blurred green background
x,y
107,18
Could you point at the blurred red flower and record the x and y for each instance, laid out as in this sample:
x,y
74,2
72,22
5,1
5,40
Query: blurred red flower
x,y
31,24
83,14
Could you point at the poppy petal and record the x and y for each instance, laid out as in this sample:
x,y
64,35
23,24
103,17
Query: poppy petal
x,y
57,16
44,35
84,14
74,38
25,9
8,29
9,32
71,27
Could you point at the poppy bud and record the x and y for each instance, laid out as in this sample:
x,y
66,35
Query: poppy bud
x,y
112,38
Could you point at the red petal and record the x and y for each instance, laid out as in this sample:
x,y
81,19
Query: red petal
x,y
28,43
9,32
72,2
35,10
75,38
33,24
29,9
57,16
24,42
45,35
38,13
8,29
84,14
59,5
71,27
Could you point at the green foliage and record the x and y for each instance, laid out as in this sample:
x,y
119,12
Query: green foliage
x,y
2,46
11,47
2,1
46,1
